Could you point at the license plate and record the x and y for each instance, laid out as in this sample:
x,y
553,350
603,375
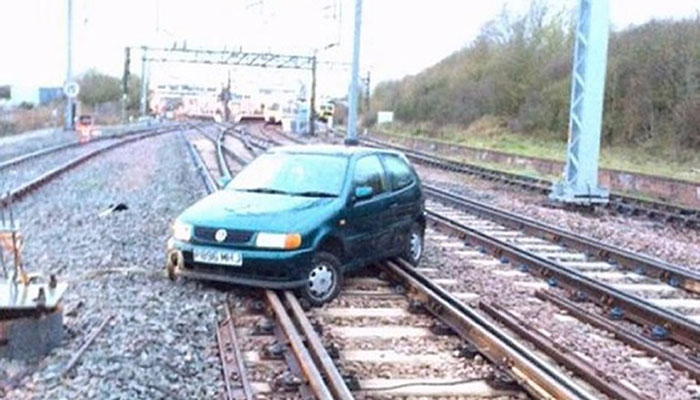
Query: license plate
x,y
221,257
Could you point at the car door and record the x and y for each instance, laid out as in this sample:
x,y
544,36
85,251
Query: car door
x,y
367,230
404,199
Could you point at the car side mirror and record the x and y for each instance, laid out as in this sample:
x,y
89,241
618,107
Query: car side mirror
x,y
223,181
363,192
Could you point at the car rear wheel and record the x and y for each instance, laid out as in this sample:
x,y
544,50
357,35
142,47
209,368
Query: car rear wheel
x,y
414,245
324,279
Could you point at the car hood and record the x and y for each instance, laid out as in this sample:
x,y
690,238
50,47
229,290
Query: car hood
x,y
256,211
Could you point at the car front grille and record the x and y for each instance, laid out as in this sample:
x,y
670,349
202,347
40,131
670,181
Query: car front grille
x,y
232,235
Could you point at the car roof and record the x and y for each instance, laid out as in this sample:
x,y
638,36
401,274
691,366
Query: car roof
x,y
330,149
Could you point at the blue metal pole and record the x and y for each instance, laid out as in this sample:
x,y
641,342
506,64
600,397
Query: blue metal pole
x,y
580,183
351,137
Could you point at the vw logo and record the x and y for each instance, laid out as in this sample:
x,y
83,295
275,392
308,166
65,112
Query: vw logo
x,y
220,235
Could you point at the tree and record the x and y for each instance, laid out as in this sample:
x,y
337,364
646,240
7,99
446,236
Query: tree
x,y
97,88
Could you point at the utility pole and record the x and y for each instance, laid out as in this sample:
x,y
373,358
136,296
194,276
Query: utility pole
x,y
68,123
312,103
580,183
144,83
351,138
367,95
125,82
227,97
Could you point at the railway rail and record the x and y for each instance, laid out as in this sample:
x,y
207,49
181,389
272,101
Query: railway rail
x,y
64,146
618,202
45,177
660,297
526,369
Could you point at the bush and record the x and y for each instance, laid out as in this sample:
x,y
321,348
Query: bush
x,y
519,70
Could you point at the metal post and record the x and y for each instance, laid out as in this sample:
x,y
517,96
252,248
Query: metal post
x,y
125,82
68,123
312,105
144,84
367,93
351,138
580,183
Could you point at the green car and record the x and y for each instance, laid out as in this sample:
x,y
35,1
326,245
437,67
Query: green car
x,y
299,217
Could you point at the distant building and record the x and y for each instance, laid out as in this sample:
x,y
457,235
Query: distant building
x,y
5,92
49,94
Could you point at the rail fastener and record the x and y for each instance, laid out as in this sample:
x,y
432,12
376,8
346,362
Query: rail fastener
x,y
633,339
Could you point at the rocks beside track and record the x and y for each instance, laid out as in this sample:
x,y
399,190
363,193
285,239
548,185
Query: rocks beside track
x,y
617,360
160,342
673,244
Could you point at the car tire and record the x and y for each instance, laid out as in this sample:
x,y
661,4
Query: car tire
x,y
325,278
413,252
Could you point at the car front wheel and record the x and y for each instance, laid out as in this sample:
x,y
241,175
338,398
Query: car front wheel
x,y
414,245
324,279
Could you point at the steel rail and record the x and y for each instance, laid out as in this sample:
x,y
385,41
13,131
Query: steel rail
x,y
635,340
296,343
46,177
230,353
537,377
679,328
621,203
318,351
561,354
42,152
672,274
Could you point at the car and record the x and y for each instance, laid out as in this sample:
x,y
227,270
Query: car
x,y
300,217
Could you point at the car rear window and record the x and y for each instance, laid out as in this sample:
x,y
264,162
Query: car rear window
x,y
400,173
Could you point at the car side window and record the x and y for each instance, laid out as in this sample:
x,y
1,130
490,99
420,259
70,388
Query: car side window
x,y
369,172
400,173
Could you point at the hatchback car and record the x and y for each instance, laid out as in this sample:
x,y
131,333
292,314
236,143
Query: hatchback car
x,y
299,217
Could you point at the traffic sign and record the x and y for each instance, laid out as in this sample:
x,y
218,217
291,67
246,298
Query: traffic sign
x,y
71,89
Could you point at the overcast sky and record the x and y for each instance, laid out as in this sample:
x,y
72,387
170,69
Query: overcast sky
x,y
399,36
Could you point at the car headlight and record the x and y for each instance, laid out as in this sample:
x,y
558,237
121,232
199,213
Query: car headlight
x,y
182,231
286,241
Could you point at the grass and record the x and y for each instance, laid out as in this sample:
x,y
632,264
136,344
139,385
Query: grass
x,y
491,134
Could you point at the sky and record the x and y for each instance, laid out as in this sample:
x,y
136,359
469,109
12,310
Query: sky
x,y
399,37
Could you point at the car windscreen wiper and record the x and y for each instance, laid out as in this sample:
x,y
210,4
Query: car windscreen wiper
x,y
311,193
264,190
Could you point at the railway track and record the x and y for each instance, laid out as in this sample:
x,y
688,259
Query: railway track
x,y
32,155
660,298
618,203
45,176
423,293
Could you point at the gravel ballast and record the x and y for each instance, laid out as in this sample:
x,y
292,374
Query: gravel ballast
x,y
673,244
615,358
160,342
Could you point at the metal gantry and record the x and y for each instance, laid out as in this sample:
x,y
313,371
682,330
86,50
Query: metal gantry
x,y
220,57
229,57
580,182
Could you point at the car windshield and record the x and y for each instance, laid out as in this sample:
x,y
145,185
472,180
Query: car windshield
x,y
312,175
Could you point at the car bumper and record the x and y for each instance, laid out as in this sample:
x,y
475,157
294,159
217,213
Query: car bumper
x,y
261,268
